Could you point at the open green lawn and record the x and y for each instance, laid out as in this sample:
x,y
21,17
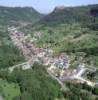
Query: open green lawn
x,y
9,90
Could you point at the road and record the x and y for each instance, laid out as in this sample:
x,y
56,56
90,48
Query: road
x,y
18,66
86,81
79,76
59,81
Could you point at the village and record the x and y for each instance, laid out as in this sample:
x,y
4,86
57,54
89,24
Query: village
x,y
57,65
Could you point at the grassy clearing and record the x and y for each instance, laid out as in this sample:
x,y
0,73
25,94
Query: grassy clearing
x,y
9,90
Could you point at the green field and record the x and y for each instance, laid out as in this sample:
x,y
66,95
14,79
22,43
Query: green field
x,y
9,90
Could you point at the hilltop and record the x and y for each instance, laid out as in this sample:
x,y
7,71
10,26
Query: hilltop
x,y
69,15
10,15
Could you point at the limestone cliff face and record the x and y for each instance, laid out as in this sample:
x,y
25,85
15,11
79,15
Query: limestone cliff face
x,y
58,8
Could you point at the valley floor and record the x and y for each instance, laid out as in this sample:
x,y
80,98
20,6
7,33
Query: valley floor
x,y
58,65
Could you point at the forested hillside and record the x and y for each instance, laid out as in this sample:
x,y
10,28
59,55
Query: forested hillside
x,y
34,83
69,29
9,54
17,15
69,15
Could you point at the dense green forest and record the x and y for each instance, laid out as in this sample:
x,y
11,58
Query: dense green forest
x,y
81,92
70,15
34,84
37,84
